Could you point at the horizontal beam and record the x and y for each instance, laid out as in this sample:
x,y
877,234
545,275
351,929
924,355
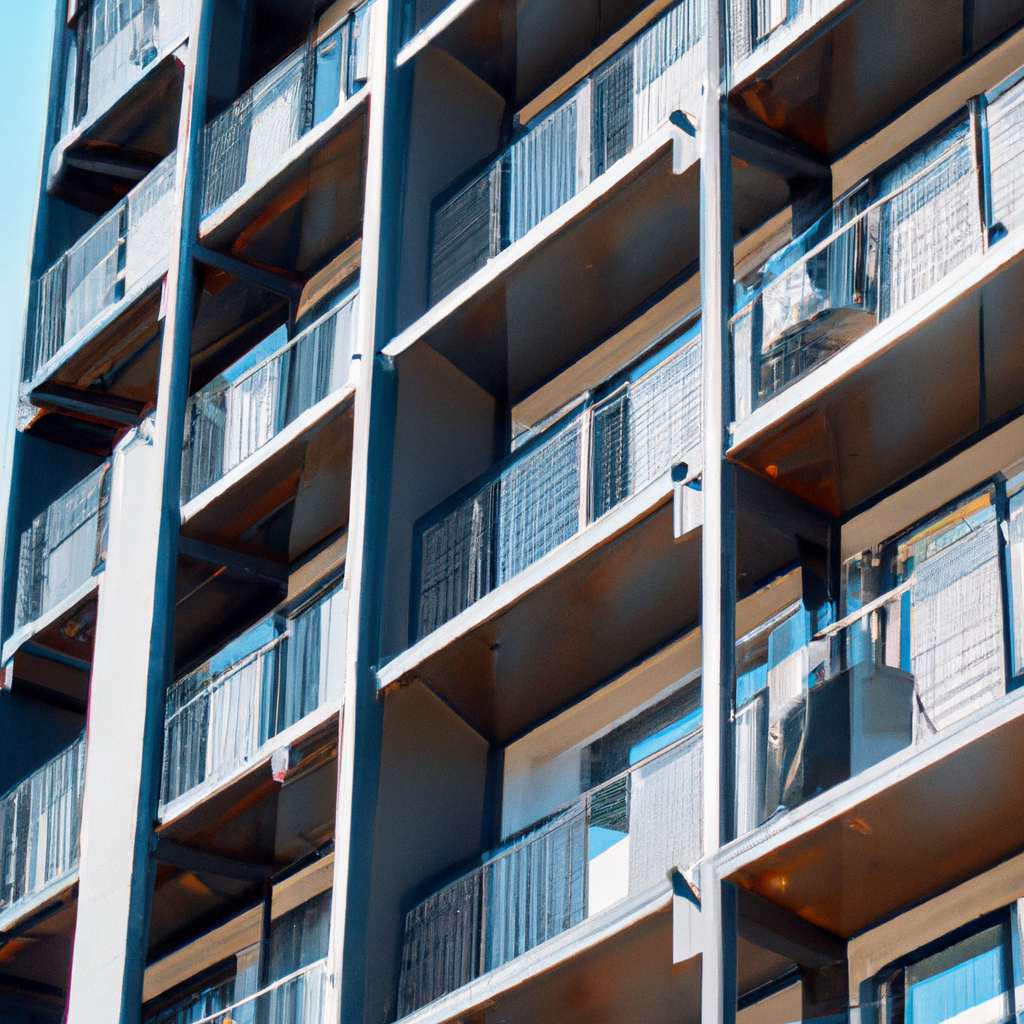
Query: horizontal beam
x,y
256,276
264,569
771,927
757,144
88,404
200,862
117,164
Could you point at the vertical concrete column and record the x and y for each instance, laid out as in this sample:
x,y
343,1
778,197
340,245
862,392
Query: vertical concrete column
x,y
135,629
718,553
361,722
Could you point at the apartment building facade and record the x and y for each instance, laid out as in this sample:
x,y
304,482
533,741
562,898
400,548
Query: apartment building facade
x,y
517,514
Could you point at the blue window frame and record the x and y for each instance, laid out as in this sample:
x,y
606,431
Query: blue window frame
x,y
967,975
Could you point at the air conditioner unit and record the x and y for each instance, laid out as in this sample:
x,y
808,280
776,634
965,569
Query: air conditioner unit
x,y
838,729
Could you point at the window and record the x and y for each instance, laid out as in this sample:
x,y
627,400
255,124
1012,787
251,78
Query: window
x,y
968,979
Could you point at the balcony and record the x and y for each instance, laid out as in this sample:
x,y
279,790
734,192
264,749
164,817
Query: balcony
x,y
584,500
612,446
39,829
294,999
795,63
61,552
272,686
606,117
263,963
871,751
615,843
285,161
246,428
79,354
915,269
121,93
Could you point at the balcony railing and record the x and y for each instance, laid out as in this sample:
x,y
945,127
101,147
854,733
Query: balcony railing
x,y
880,248
231,419
610,113
39,826
116,40
617,840
753,23
247,141
101,269
297,998
905,666
63,547
222,715
609,447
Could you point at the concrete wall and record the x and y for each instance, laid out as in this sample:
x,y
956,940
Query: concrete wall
x,y
444,437
33,733
431,802
542,770
441,148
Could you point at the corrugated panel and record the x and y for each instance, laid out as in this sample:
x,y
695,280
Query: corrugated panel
x,y
665,814
150,211
536,889
466,231
956,630
442,944
1006,156
40,821
95,279
539,502
61,548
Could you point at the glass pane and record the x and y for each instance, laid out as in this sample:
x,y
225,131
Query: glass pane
x,y
327,87
968,980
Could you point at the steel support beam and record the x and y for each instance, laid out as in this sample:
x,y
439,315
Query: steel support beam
x,y
783,932
199,862
256,276
134,639
718,548
88,404
361,740
764,147
264,570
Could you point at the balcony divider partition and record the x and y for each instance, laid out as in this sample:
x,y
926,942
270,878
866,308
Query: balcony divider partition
x,y
231,418
883,245
40,820
104,267
246,141
617,840
223,714
609,447
614,110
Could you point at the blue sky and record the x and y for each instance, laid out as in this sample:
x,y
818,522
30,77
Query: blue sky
x,y
26,31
